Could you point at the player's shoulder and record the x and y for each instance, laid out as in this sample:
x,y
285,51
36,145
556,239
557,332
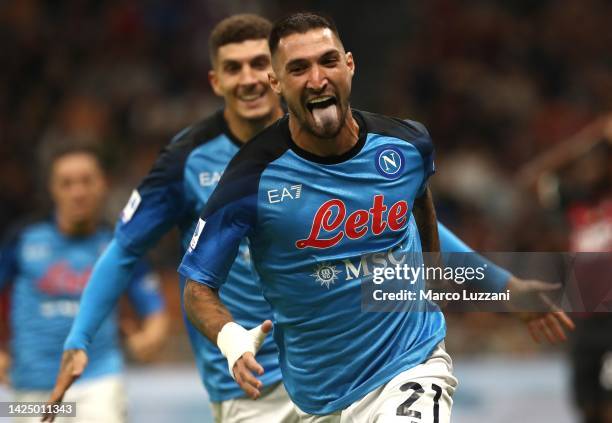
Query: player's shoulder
x,y
241,177
170,163
411,131
262,149
196,134
404,129
34,225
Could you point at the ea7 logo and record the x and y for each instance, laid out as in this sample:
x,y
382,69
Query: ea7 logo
x,y
208,179
279,195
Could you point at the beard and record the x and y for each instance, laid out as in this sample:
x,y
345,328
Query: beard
x,y
323,122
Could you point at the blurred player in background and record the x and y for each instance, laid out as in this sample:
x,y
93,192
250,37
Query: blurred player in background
x,y
575,178
332,355
47,264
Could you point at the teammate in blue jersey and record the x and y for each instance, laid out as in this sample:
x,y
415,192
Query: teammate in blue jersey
x,y
321,188
172,195
47,264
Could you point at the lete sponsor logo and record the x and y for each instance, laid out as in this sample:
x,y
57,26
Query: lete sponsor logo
x,y
332,215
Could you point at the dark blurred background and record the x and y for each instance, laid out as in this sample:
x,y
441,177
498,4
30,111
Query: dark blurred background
x,y
503,87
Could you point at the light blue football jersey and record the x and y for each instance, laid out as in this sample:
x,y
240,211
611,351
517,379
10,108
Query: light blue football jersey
x,y
312,223
48,271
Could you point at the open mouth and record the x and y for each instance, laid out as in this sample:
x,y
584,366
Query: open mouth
x,y
251,97
321,102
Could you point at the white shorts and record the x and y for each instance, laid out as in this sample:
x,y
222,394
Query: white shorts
x,y
422,394
273,406
100,400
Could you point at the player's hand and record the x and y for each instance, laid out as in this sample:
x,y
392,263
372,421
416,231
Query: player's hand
x,y
143,344
551,323
5,365
73,365
239,346
140,346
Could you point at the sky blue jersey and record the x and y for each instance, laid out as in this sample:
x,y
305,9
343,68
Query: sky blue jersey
x,y
47,271
173,195
304,214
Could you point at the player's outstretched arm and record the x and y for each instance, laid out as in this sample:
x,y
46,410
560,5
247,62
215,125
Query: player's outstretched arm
x,y
109,279
208,314
5,365
425,216
73,365
144,343
551,323
145,340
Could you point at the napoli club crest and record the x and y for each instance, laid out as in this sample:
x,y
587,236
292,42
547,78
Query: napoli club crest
x,y
390,162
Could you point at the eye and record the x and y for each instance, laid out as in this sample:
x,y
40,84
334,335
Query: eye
x,y
231,67
260,63
297,69
330,61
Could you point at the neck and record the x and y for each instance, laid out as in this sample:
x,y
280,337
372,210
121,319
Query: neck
x,y
244,129
325,147
71,228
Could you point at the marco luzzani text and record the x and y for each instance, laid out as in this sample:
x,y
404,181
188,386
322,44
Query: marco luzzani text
x,y
461,276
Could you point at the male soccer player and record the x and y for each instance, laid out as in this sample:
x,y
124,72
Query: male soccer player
x,y
48,263
324,186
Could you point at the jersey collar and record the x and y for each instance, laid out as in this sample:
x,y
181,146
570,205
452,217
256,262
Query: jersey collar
x,y
330,159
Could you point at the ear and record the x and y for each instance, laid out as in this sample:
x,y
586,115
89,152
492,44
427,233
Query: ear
x,y
274,83
350,62
214,82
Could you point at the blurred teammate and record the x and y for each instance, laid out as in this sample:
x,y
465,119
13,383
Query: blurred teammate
x,y
48,263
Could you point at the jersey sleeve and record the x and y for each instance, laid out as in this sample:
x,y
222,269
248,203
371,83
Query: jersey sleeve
x,y
424,144
144,290
228,217
456,253
159,201
214,245
109,279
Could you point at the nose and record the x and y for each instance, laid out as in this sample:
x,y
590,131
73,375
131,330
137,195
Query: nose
x,y
247,76
317,79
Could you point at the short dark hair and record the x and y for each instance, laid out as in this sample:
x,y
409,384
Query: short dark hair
x,y
299,23
62,150
236,29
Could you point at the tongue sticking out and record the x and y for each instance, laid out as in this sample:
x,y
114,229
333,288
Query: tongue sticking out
x,y
325,117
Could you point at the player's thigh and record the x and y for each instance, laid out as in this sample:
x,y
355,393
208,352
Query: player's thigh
x,y
98,400
273,406
422,394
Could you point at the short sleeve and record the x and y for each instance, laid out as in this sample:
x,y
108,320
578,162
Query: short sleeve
x,y
216,239
159,201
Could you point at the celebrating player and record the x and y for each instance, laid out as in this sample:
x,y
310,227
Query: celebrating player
x,y
48,263
324,186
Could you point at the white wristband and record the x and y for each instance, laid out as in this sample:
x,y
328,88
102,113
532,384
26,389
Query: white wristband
x,y
233,340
